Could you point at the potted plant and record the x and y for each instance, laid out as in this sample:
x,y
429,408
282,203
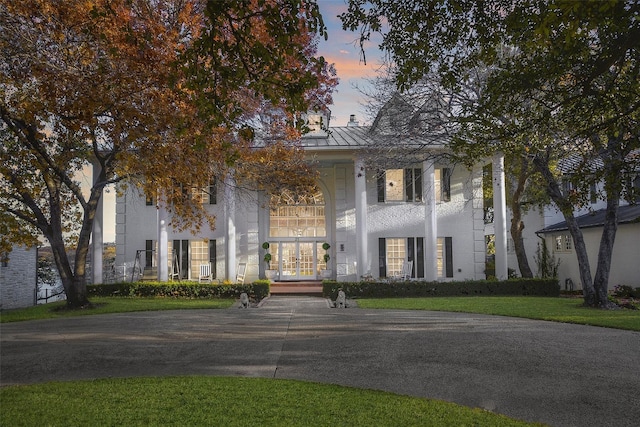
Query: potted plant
x,y
268,272
326,273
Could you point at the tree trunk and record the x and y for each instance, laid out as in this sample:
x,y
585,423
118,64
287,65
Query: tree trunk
x,y
74,286
555,193
73,280
518,244
79,283
517,225
605,251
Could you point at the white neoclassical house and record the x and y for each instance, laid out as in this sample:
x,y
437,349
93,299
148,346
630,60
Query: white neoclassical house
x,y
375,217
374,220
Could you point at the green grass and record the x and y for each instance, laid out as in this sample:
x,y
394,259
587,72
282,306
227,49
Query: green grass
x,y
568,310
105,305
221,401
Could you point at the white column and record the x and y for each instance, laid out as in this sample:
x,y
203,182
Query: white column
x,y
430,221
361,218
96,234
500,216
229,212
163,243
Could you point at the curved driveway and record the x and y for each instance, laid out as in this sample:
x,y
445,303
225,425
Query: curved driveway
x,y
559,374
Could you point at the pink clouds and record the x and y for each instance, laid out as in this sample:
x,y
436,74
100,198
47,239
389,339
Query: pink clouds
x,y
342,48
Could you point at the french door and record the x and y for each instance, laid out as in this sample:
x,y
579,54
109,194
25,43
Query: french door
x,y
297,260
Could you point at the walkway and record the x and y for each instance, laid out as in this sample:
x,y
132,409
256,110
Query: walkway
x,y
559,374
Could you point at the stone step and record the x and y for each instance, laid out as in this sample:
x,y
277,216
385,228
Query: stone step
x,y
297,288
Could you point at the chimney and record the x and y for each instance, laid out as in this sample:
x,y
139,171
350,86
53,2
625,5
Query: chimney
x,y
352,121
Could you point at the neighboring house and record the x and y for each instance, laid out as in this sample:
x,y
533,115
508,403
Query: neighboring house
x,y
374,217
18,277
625,260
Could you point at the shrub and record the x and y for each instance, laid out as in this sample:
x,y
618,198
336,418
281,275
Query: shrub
x,y
625,291
533,287
257,290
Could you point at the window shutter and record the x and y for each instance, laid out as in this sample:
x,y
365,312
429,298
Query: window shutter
x,y
446,184
213,193
381,181
448,247
417,183
212,258
419,257
411,256
148,254
382,256
408,185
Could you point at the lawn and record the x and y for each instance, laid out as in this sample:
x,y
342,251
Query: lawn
x,y
568,310
269,402
105,305
222,401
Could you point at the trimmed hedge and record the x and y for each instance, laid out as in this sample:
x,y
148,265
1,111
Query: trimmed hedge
x,y
256,290
532,287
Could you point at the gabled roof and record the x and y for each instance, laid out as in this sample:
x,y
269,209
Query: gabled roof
x,y
576,161
626,215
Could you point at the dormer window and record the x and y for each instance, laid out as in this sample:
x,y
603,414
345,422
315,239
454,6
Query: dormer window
x,y
315,122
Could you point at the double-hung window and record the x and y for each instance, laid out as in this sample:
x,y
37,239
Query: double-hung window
x,y
393,252
187,255
206,195
400,185
563,243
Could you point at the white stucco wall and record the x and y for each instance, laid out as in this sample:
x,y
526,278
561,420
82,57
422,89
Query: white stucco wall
x,y
18,278
460,218
625,263
136,222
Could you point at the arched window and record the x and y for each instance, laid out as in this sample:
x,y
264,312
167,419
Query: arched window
x,y
297,215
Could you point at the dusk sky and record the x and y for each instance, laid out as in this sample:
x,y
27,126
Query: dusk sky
x,y
343,49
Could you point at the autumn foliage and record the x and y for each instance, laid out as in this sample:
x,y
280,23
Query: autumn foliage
x,y
165,95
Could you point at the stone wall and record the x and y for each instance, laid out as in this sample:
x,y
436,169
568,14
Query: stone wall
x,y
18,275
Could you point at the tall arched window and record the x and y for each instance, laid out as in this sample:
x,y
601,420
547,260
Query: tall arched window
x,y
297,216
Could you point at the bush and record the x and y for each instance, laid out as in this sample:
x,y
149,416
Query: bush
x,y
257,290
533,287
625,291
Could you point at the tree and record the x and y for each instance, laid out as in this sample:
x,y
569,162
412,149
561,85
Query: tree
x,y
563,73
522,195
162,94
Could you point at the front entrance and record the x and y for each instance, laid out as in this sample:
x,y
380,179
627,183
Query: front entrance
x,y
297,230
298,259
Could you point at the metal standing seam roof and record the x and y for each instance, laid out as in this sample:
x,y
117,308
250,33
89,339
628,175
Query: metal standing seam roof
x,y
626,215
354,137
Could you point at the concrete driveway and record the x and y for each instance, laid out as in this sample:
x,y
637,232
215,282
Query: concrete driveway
x,y
554,373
